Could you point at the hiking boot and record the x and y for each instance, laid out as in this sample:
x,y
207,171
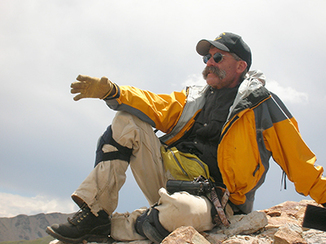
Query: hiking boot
x,y
83,225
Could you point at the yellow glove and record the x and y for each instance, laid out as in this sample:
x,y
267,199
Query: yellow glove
x,y
91,87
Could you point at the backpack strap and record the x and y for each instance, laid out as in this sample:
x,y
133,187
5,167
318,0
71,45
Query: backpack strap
x,y
220,217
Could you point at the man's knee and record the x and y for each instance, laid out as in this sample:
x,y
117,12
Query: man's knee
x,y
172,212
118,151
124,136
184,209
148,225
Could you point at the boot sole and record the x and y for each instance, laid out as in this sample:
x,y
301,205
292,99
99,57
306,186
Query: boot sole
x,y
87,237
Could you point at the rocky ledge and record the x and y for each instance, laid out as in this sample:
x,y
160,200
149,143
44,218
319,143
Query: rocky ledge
x,y
279,224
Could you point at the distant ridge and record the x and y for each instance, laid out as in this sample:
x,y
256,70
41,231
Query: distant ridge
x,y
24,227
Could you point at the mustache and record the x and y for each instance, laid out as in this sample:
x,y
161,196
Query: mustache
x,y
215,70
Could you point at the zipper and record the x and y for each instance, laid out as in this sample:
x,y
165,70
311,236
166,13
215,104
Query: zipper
x,y
197,161
224,130
176,159
190,158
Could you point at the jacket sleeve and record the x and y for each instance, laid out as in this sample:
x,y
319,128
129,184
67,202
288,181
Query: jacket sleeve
x,y
289,150
162,111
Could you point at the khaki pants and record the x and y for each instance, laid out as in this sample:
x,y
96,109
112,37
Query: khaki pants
x,y
101,187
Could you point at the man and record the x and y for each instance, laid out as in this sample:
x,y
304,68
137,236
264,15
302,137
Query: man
x,y
233,125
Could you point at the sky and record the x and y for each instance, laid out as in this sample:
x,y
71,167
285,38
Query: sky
x,y
48,141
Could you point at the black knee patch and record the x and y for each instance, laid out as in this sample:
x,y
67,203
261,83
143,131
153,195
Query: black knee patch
x,y
148,225
123,153
140,221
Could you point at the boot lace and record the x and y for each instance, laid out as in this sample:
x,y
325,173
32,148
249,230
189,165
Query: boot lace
x,y
79,216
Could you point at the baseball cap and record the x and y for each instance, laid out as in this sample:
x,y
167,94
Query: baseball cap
x,y
228,42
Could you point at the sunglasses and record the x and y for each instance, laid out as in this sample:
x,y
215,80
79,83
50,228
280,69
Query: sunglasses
x,y
217,57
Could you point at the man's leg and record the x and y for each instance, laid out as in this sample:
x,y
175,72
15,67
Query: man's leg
x,y
170,213
99,191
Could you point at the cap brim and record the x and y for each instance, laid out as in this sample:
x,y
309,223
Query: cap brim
x,y
203,46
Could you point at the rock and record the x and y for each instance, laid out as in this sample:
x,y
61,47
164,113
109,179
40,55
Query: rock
x,y
246,240
284,226
314,236
185,235
279,224
287,212
55,242
215,238
133,242
288,234
244,224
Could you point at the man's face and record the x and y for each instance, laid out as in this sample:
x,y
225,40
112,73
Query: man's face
x,y
224,74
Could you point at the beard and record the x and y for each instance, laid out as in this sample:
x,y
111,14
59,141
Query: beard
x,y
214,70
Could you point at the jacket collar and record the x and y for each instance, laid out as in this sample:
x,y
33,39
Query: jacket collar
x,y
250,93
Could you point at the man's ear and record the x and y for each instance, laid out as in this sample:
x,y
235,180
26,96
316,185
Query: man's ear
x,y
242,65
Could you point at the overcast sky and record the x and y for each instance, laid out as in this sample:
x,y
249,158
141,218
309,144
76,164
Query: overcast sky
x,y
47,140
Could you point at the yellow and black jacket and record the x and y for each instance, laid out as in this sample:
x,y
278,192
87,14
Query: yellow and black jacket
x,y
258,126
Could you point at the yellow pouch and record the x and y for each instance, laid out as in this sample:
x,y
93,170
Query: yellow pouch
x,y
183,166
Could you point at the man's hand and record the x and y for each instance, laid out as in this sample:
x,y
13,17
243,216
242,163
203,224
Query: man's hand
x,y
91,87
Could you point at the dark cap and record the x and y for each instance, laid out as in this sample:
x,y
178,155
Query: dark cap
x,y
228,42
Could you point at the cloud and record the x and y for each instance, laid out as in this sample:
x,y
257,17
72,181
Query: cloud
x,y
288,94
13,205
194,79
147,44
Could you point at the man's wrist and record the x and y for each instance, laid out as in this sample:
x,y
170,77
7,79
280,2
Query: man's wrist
x,y
111,94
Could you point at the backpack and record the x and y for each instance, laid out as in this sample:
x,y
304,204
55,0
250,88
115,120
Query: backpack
x,y
183,166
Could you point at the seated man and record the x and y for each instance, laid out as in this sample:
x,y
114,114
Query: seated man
x,y
232,127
